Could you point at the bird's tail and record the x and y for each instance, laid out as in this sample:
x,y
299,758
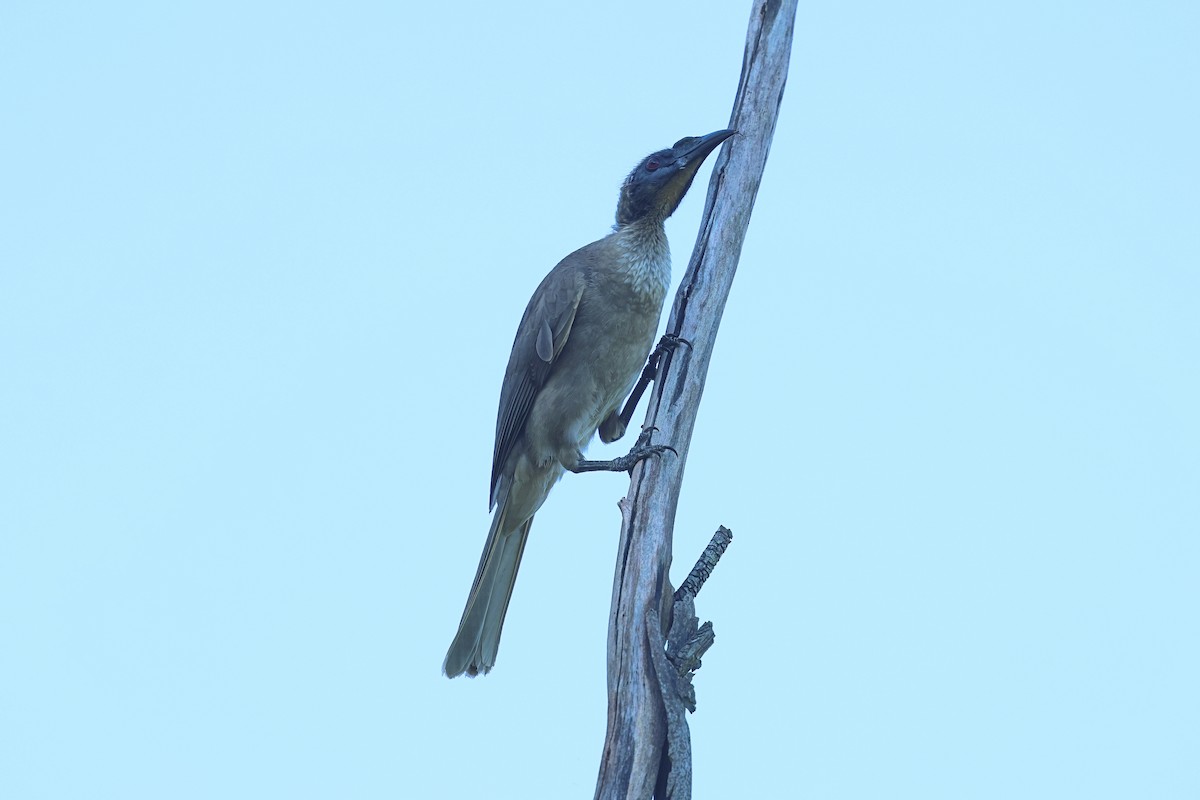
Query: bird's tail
x,y
474,648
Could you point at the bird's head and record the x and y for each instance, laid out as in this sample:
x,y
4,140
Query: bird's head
x,y
657,185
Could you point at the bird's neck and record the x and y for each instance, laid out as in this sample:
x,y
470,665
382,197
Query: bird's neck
x,y
645,257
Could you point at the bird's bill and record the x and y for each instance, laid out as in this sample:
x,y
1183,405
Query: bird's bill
x,y
696,149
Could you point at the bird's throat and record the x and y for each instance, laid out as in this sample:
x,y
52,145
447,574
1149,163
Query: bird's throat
x,y
645,259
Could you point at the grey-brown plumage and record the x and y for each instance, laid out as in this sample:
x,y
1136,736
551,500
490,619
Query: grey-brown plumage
x,y
578,352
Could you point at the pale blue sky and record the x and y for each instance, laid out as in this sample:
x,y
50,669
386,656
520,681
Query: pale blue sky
x,y
260,267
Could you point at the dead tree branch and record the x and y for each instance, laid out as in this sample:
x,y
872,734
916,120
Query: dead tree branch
x,y
647,748
707,563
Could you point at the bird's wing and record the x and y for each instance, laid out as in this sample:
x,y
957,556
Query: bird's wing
x,y
540,338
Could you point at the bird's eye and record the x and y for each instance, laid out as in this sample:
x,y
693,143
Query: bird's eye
x,y
652,165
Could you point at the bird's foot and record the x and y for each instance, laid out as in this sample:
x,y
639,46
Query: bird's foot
x,y
645,436
666,344
640,452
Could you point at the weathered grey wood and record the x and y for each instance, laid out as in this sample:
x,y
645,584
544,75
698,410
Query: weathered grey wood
x,y
647,743
705,564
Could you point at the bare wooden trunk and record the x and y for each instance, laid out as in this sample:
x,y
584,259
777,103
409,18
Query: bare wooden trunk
x,y
647,743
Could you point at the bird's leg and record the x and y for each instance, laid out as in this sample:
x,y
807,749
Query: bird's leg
x,y
666,344
641,451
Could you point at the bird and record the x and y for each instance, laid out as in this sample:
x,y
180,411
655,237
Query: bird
x,y
578,352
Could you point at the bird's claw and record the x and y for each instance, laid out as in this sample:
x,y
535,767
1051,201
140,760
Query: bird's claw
x,y
644,437
670,341
640,453
674,340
